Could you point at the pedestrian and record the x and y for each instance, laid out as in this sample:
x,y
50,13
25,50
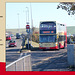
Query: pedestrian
x,y
23,41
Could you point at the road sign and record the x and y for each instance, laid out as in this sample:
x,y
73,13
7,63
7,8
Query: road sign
x,y
28,30
27,27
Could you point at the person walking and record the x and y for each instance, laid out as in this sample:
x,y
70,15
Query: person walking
x,y
23,41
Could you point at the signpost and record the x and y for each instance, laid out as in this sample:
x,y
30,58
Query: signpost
x,y
28,31
27,28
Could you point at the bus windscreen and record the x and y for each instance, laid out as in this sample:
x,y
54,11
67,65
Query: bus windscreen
x,y
47,38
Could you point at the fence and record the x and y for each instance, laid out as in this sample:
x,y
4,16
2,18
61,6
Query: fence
x,y
22,64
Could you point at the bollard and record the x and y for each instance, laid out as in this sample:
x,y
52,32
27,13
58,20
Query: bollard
x,y
71,54
27,46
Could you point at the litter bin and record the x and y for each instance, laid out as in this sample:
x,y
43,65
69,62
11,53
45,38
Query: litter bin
x,y
27,46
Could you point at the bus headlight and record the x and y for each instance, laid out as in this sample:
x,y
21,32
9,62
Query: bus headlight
x,y
40,44
56,44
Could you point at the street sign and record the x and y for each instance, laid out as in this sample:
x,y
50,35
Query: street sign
x,y
27,27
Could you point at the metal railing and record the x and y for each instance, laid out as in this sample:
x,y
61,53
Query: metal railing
x,y
22,64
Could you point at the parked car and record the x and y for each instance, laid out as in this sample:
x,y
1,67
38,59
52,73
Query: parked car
x,y
8,38
12,43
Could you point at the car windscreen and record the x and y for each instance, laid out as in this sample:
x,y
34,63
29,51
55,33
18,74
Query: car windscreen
x,y
11,41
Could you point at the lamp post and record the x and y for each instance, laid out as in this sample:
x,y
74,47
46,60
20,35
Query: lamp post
x,y
27,15
31,22
18,24
31,16
27,22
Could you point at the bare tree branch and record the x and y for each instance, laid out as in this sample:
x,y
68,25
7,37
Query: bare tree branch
x,y
67,6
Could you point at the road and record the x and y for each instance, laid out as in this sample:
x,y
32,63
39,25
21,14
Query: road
x,y
49,60
12,52
19,41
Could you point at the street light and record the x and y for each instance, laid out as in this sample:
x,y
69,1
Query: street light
x,y
27,15
31,16
31,22
27,22
18,24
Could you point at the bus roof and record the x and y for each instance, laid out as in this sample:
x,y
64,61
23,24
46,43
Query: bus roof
x,y
47,21
53,21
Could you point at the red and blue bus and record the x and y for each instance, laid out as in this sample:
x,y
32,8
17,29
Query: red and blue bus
x,y
52,35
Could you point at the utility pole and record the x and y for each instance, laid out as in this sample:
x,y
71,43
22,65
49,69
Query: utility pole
x,y
27,15
31,22
18,24
27,22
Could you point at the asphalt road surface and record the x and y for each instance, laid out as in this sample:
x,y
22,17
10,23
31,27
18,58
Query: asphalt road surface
x,y
49,60
19,42
55,60
12,52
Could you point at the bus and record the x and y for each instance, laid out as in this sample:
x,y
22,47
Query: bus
x,y
52,35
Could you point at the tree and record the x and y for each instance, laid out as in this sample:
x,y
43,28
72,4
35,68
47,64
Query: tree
x,y
68,6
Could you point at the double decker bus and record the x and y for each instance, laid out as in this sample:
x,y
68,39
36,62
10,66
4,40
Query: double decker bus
x,y
52,35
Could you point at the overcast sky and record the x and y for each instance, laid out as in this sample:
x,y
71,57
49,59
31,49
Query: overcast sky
x,y
40,12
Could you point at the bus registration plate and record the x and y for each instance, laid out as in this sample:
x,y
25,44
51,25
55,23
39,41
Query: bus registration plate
x,y
47,47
